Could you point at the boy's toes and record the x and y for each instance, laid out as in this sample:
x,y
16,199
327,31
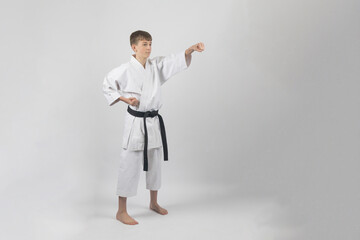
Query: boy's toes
x,y
159,209
126,219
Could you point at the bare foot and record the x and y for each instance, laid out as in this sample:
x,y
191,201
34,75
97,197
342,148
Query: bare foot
x,y
125,218
158,209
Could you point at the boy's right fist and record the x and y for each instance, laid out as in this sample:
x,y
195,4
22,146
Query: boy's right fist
x,y
133,102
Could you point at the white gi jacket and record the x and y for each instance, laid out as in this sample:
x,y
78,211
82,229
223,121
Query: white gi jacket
x,y
131,79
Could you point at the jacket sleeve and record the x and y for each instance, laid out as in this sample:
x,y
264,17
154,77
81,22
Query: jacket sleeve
x,y
111,88
170,65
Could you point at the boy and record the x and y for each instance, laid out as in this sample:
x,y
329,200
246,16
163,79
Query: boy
x,y
137,83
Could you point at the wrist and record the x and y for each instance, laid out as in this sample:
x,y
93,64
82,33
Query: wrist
x,y
124,99
189,51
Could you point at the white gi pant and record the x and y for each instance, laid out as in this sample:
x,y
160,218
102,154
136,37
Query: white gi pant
x,y
131,165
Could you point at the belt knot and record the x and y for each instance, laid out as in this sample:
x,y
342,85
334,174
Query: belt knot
x,y
151,114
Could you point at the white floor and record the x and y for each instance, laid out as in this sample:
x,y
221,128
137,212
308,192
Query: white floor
x,y
195,212
205,212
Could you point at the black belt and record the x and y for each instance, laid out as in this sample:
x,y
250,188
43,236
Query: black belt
x,y
151,114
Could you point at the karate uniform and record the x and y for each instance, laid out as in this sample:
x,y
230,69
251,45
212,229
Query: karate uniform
x,y
131,79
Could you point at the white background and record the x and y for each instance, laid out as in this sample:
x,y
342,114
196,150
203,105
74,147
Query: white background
x,y
268,112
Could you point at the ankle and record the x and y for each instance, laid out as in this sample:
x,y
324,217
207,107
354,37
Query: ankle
x,y
122,212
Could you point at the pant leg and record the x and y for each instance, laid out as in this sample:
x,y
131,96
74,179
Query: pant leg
x,y
153,175
129,173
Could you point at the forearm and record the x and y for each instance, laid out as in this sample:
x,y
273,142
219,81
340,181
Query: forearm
x,y
124,99
189,51
188,55
121,98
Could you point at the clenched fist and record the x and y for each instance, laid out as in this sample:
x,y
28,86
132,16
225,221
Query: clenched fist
x,y
199,47
133,102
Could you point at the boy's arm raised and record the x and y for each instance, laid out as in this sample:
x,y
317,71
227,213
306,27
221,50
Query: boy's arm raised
x,y
172,64
199,47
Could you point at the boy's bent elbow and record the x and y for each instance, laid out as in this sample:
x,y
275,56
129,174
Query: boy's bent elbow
x,y
188,59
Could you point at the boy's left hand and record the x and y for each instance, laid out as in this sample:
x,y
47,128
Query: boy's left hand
x,y
199,47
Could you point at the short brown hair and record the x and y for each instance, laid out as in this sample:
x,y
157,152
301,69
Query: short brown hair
x,y
135,37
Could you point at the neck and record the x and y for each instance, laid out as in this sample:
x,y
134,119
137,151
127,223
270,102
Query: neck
x,y
140,59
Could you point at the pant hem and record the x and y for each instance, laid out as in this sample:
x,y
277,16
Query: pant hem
x,y
126,194
153,189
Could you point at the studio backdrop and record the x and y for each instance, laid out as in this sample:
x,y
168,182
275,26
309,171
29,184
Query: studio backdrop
x,y
271,107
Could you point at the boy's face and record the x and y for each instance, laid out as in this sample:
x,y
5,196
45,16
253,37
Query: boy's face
x,y
142,49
